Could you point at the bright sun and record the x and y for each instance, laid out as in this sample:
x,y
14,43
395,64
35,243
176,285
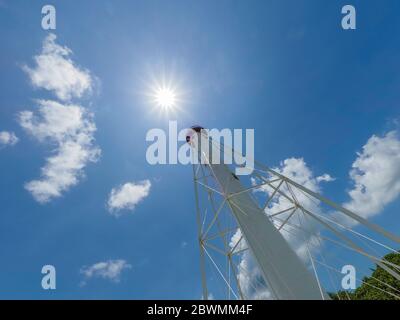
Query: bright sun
x,y
165,98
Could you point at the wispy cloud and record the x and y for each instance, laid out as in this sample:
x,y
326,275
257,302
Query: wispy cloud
x,y
8,139
55,71
127,196
325,177
109,270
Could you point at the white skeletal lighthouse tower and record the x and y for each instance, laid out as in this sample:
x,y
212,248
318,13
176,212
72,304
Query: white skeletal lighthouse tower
x,y
281,236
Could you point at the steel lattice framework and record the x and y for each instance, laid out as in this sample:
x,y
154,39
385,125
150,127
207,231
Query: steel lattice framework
x,y
300,257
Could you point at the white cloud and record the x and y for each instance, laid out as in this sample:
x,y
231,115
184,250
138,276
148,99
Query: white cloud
x,y
325,177
297,170
68,127
128,196
110,270
8,138
54,71
71,129
376,175
251,280
249,274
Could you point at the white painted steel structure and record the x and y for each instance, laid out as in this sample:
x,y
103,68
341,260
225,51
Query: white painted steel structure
x,y
254,228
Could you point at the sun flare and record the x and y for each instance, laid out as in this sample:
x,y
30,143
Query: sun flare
x,y
165,98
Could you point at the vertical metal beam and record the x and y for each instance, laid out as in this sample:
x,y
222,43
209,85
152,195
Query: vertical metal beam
x,y
201,246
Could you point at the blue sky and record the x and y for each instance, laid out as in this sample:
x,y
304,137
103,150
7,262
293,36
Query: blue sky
x,y
287,69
